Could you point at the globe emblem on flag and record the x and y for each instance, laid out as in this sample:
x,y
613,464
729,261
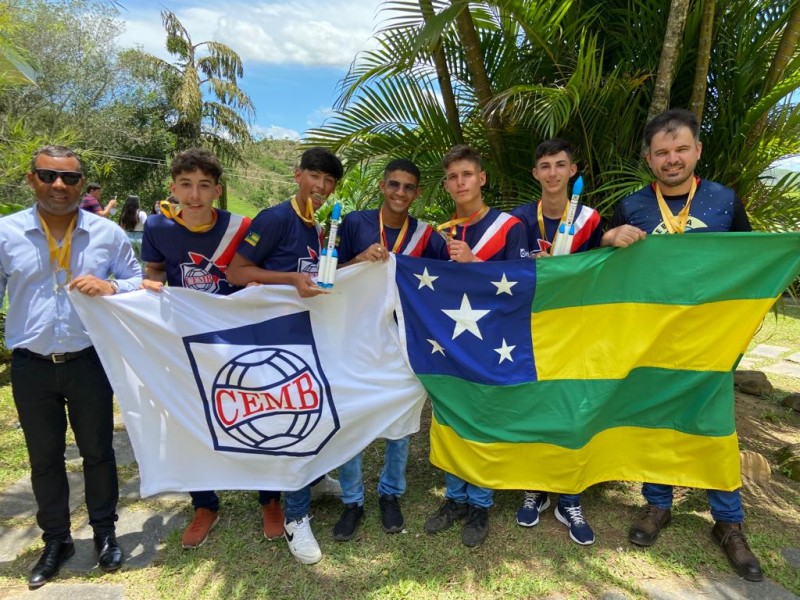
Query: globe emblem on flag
x,y
268,398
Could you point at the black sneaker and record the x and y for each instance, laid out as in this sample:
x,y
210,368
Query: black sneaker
x,y
448,513
391,517
476,528
347,526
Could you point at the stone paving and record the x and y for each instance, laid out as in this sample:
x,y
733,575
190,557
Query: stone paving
x,y
141,531
779,360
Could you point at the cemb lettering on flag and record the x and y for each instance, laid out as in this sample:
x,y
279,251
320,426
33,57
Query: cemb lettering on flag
x,y
257,390
269,394
612,364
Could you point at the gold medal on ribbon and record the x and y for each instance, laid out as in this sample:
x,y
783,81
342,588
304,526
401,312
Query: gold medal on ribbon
x,y
675,223
401,237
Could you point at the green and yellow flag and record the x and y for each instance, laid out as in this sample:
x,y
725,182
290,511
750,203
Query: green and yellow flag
x,y
612,364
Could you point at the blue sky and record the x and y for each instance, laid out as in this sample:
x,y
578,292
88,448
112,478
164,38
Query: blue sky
x,y
294,51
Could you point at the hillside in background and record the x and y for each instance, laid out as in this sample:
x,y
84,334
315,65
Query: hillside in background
x,y
266,179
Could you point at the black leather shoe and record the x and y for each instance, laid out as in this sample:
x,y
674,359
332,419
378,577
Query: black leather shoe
x,y
54,555
109,554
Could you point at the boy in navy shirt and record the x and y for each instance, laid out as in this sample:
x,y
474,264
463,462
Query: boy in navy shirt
x,y
191,246
371,235
476,233
283,246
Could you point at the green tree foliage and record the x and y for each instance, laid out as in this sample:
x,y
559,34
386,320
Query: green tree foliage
x,y
84,97
266,175
583,70
207,107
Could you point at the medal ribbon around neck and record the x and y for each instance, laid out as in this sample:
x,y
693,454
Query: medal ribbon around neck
x,y
675,223
542,231
173,211
309,218
466,221
60,256
401,237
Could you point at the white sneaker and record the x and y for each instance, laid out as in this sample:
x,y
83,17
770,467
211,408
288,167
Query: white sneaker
x,y
302,543
327,486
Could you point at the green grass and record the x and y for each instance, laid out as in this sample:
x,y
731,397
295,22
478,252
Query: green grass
x,y
13,456
781,327
238,563
240,206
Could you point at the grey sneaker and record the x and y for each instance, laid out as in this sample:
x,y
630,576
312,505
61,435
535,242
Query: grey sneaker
x,y
477,527
444,518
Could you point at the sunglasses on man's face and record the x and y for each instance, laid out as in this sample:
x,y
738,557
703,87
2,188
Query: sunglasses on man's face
x,y
49,176
408,188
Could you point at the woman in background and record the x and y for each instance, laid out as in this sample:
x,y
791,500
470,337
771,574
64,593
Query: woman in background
x,y
132,219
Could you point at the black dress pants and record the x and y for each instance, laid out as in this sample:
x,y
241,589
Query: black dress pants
x,y
46,395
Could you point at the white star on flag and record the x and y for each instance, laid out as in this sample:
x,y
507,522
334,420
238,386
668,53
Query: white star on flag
x,y
436,347
505,352
504,286
426,280
466,319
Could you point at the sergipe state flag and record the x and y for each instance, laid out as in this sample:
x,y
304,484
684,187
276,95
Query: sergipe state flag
x,y
563,372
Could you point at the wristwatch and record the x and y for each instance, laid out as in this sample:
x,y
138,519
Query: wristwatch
x,y
114,285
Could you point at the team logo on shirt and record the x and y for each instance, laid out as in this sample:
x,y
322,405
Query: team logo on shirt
x,y
263,388
202,273
309,264
544,246
691,223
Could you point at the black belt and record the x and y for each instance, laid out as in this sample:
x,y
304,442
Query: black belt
x,y
56,357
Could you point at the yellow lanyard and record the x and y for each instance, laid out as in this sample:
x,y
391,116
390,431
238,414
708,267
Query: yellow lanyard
x,y
172,211
542,231
401,237
309,218
467,221
675,223
60,256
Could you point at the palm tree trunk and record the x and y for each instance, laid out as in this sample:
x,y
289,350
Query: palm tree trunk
x,y
443,76
483,90
777,69
700,84
673,37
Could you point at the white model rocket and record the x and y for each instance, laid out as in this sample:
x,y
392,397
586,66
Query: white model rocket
x,y
566,230
330,258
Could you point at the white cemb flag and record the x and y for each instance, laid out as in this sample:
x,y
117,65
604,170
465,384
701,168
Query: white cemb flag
x,y
258,390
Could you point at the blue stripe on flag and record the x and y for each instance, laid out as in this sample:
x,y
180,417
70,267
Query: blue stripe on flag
x,y
471,321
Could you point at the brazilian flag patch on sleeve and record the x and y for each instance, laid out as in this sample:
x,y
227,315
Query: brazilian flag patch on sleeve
x,y
252,238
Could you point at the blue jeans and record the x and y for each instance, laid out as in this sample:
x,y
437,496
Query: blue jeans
x,y
569,499
462,492
563,499
393,475
210,500
296,504
726,507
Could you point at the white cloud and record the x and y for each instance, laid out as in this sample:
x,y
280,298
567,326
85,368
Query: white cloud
x,y
302,32
319,115
275,132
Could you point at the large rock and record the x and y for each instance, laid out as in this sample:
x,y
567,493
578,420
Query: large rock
x,y
755,466
754,383
792,401
789,461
